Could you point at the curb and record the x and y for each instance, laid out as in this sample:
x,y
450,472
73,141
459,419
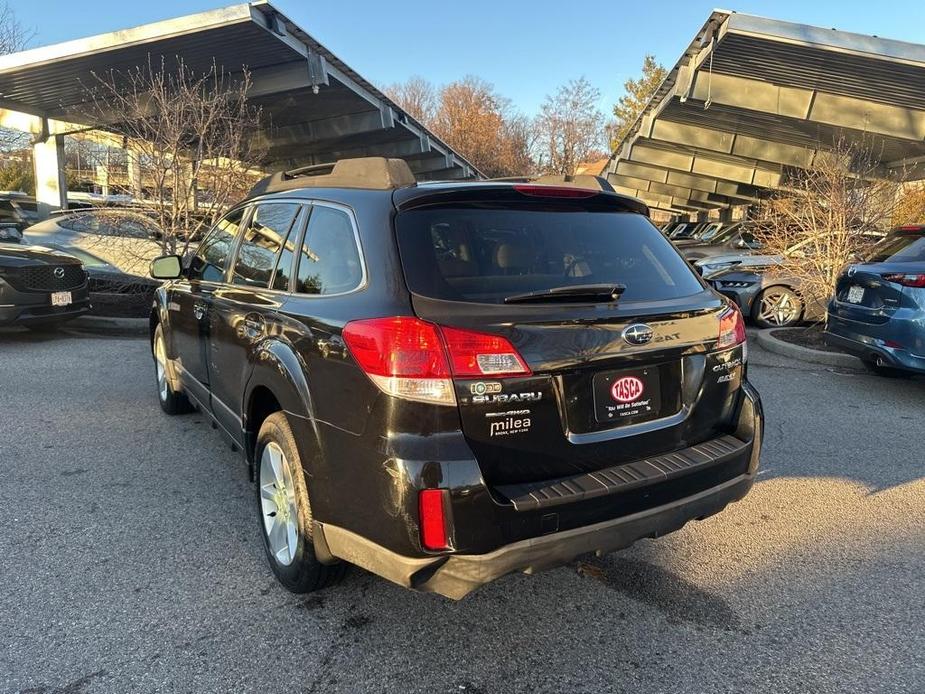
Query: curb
x,y
814,356
115,327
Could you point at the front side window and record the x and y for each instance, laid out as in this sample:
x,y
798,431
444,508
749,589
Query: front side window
x,y
208,264
266,235
329,262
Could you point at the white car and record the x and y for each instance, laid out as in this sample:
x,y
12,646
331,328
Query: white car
x,y
125,239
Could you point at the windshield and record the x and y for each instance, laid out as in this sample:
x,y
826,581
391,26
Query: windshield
x,y
487,255
900,248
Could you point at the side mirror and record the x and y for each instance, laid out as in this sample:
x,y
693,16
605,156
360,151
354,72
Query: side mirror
x,y
167,267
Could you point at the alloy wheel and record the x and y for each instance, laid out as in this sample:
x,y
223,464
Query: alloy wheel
x,y
278,504
779,307
160,366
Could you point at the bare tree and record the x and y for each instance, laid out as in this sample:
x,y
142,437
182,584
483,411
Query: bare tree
x,y
417,96
826,217
13,37
189,137
570,127
481,124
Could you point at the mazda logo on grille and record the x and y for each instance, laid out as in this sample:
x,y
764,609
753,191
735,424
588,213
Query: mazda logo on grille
x,y
59,273
637,334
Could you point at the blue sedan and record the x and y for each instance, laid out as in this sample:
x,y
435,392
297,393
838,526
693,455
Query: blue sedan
x,y
878,311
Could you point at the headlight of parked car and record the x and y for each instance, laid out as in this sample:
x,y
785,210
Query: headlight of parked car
x,y
709,269
734,284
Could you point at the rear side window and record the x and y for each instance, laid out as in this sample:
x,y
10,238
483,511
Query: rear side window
x,y
209,262
900,248
484,255
329,262
266,235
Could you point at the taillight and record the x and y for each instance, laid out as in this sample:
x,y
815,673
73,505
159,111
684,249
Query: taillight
x,y
545,191
416,360
432,514
475,354
907,280
403,356
731,328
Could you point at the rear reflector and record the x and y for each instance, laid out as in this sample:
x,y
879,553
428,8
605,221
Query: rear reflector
x,y
416,360
432,510
543,191
907,280
731,328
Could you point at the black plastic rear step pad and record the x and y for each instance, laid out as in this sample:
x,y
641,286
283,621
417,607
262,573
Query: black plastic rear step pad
x,y
621,478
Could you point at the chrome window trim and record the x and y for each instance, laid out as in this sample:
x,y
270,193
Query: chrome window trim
x,y
364,278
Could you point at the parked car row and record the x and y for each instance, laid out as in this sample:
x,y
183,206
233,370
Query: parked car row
x,y
115,248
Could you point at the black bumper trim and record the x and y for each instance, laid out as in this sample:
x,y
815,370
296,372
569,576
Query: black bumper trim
x,y
621,478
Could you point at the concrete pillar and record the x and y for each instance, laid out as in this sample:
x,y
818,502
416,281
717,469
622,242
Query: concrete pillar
x,y
50,179
134,172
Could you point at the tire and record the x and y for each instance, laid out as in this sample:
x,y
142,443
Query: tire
x,y
172,402
876,366
777,307
285,513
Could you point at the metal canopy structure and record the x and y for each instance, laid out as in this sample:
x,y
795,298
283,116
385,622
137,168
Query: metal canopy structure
x,y
752,99
320,109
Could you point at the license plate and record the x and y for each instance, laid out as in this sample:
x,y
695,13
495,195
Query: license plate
x,y
61,298
855,294
624,397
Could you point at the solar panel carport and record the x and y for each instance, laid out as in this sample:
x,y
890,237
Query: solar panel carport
x,y
753,99
321,109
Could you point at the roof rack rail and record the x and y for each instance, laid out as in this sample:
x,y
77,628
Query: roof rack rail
x,y
376,173
571,181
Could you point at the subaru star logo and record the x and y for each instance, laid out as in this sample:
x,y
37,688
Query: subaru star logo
x,y
59,273
637,334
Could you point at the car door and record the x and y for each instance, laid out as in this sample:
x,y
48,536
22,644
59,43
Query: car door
x,y
244,308
190,300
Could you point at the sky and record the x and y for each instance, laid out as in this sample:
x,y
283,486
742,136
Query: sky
x,y
526,49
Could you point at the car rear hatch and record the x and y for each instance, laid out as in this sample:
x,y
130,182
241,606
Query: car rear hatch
x,y
872,292
589,382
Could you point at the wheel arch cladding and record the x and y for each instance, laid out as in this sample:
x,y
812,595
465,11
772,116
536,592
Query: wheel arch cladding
x,y
278,376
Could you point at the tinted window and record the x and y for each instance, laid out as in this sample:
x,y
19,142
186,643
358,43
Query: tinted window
x,y
900,248
485,255
209,262
266,234
329,262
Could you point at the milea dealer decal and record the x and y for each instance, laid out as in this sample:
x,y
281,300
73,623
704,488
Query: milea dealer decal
x,y
507,423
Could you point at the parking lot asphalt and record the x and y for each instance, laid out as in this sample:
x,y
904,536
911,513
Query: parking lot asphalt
x,y
130,560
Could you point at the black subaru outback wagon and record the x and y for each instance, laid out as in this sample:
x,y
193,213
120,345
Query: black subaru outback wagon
x,y
444,383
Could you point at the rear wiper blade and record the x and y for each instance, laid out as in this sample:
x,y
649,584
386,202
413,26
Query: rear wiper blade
x,y
573,292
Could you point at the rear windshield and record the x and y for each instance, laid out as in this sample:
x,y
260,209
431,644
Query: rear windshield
x,y
485,255
900,248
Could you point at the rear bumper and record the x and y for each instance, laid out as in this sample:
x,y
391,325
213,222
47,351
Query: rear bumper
x,y
455,576
871,341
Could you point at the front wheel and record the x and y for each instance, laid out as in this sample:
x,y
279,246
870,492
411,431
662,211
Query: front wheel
x,y
172,402
285,512
777,307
